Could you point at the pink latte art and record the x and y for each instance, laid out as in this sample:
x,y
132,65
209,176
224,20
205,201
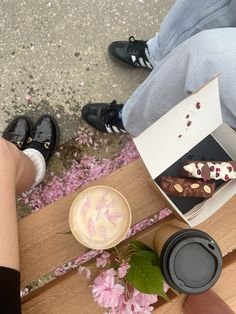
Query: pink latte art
x,y
100,217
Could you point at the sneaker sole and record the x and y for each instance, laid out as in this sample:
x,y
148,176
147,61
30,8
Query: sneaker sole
x,y
126,64
123,63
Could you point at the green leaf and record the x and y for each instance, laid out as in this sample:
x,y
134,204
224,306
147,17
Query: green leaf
x,y
139,246
145,276
149,257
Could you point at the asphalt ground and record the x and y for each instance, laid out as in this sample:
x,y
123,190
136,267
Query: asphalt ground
x,y
53,55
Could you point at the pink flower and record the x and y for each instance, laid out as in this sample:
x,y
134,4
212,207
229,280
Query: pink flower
x,y
166,287
105,291
103,260
24,292
121,308
59,271
144,299
99,280
112,311
140,303
122,270
87,271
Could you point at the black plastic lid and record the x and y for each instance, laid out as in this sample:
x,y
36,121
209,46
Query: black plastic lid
x,y
191,261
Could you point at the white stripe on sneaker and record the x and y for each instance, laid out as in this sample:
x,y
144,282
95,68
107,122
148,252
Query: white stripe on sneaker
x,y
109,129
133,58
149,65
115,129
142,62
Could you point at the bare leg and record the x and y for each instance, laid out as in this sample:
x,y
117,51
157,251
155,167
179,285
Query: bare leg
x,y
17,174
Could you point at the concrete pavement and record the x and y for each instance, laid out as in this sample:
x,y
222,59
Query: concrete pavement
x,y
53,54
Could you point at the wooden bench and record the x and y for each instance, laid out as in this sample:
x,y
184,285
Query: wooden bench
x,y
44,247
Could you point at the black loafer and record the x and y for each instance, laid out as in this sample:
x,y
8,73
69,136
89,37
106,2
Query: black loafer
x,y
18,131
45,136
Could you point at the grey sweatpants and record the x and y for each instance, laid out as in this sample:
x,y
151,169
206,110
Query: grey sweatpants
x,y
197,40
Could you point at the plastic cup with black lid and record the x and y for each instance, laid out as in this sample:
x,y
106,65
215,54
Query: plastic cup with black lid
x,y
191,261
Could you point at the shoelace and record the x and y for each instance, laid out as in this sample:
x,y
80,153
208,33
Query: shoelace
x,y
137,48
111,113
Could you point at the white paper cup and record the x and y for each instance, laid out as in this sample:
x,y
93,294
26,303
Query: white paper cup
x,y
100,217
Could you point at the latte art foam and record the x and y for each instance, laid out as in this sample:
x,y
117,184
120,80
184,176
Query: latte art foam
x,y
100,217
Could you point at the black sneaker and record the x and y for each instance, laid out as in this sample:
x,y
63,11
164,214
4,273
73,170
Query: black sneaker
x,y
132,52
104,117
